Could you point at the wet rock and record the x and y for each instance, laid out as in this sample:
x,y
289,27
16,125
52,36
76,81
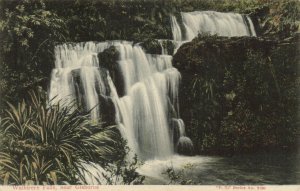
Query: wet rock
x,y
185,146
161,46
108,59
152,46
107,110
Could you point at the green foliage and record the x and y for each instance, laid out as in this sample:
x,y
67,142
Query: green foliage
x,y
181,176
152,46
48,144
28,34
239,102
22,23
282,19
123,171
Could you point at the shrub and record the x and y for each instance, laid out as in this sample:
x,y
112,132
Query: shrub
x,y
49,143
123,171
180,176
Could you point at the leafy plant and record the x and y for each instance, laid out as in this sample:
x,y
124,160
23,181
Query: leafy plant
x,y
282,19
179,177
123,171
29,32
49,143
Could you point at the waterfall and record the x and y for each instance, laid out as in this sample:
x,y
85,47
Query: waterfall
x,y
176,31
211,22
79,60
146,108
142,113
204,22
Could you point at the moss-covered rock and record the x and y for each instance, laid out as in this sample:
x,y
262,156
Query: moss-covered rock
x,y
239,94
162,46
152,46
108,59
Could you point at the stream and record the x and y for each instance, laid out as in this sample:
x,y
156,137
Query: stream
x,y
260,169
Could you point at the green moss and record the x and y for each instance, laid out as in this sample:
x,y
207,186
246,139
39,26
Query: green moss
x,y
152,46
239,94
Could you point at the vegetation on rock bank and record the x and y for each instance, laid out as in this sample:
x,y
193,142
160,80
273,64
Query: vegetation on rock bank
x,y
239,94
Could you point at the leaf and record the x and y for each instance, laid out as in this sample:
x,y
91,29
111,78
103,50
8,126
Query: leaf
x,y
53,177
6,178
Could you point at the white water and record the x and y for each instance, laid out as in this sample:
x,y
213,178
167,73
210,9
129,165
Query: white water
x,y
155,170
193,23
149,80
145,113
211,22
81,59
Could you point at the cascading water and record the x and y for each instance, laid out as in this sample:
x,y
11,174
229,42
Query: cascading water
x,y
211,22
78,60
150,86
147,108
185,29
149,80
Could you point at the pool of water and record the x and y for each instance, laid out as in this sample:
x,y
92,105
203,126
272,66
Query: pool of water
x,y
265,168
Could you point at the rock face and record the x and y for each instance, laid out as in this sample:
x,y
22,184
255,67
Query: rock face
x,y
240,93
106,104
108,59
193,56
161,46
